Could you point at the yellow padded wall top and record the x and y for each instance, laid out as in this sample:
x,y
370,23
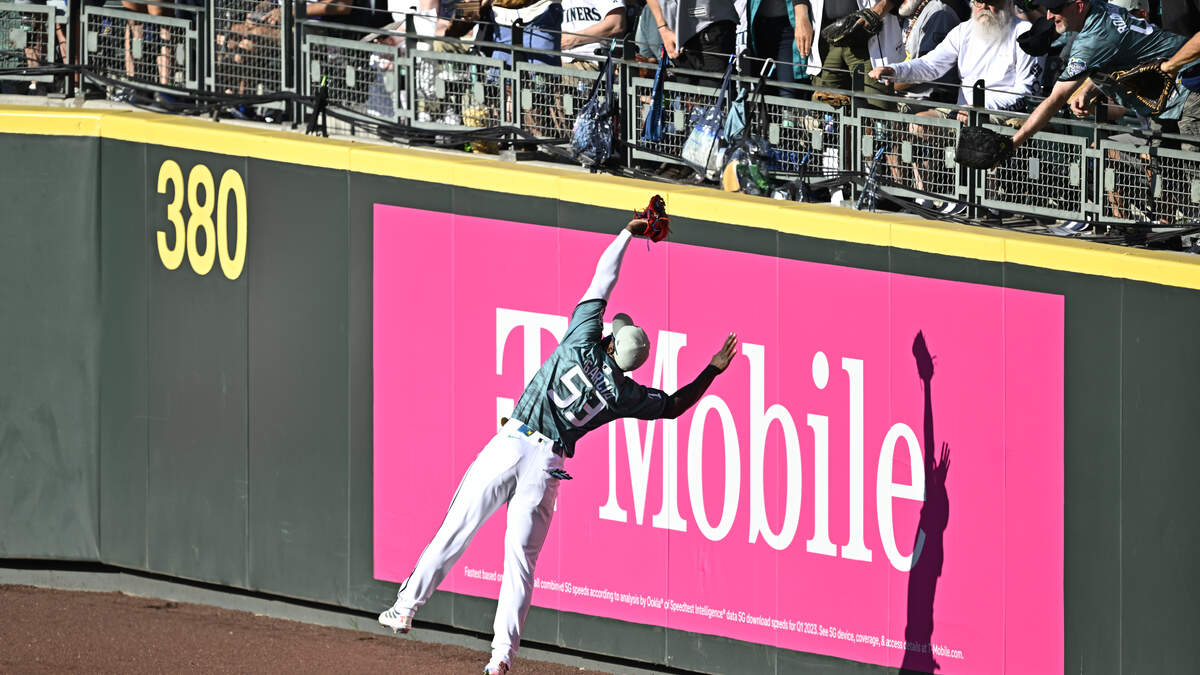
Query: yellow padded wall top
x,y
454,168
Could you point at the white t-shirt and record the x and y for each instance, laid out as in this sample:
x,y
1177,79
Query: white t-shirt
x,y
1007,70
580,14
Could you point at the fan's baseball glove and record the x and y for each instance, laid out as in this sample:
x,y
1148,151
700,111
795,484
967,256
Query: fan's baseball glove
x,y
981,148
658,223
1146,82
831,98
853,29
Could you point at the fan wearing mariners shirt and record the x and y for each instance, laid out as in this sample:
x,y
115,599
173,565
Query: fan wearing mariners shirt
x,y
1109,39
587,25
583,385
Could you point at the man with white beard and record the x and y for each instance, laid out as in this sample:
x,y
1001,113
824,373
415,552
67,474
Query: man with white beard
x,y
926,25
984,48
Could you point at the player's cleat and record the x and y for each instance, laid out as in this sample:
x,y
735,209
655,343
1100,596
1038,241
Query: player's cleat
x,y
398,620
499,669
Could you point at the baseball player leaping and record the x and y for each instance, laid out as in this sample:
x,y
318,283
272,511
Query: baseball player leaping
x,y
582,386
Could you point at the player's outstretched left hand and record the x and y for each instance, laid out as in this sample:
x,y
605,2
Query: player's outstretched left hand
x,y
637,226
721,359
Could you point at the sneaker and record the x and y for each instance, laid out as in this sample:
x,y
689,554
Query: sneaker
x,y
398,620
1070,228
498,669
954,208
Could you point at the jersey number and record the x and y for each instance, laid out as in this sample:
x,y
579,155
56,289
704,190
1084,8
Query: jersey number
x,y
569,381
1135,24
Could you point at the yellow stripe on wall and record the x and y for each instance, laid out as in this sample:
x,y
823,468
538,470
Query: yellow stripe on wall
x,y
455,168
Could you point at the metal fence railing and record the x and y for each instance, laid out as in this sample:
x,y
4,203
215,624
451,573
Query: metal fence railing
x,y
549,97
453,91
27,38
365,80
249,55
1142,183
1045,176
155,52
244,50
917,153
681,104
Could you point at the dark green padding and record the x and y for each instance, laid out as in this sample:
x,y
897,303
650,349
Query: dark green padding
x,y
298,360
197,393
125,251
49,347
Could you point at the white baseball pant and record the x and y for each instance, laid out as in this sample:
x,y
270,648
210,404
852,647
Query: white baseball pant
x,y
511,468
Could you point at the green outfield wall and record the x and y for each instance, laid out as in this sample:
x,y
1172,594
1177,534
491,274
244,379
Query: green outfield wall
x,y
202,407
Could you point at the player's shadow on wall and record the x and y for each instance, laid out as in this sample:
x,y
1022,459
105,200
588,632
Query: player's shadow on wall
x,y
928,540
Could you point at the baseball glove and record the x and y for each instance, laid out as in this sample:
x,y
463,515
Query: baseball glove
x,y
854,29
658,223
1146,82
831,98
981,148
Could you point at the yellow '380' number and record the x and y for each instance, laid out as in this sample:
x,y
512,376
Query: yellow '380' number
x,y
200,206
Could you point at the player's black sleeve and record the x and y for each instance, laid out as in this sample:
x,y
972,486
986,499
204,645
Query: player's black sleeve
x,y
690,393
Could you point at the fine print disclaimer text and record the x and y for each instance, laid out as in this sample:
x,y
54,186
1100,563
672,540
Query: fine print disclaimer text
x,y
729,615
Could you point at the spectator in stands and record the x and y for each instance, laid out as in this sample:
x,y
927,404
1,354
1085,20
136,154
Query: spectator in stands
x,y
926,25
984,48
781,31
1042,40
254,43
541,23
649,42
135,31
38,54
831,65
697,34
1138,8
589,25
1109,39
442,9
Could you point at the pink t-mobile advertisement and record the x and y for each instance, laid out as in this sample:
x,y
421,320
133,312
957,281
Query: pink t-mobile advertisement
x,y
878,475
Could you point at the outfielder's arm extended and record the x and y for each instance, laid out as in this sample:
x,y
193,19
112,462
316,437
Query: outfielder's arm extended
x,y
1045,111
689,394
609,265
607,268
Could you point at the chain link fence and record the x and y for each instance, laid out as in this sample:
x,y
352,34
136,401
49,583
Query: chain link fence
x,y
363,79
453,91
249,43
27,39
152,51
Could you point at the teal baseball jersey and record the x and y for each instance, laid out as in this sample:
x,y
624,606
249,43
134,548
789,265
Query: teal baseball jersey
x,y
1112,39
580,387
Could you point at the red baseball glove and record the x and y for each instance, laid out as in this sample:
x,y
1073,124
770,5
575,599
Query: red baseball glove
x,y
658,223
